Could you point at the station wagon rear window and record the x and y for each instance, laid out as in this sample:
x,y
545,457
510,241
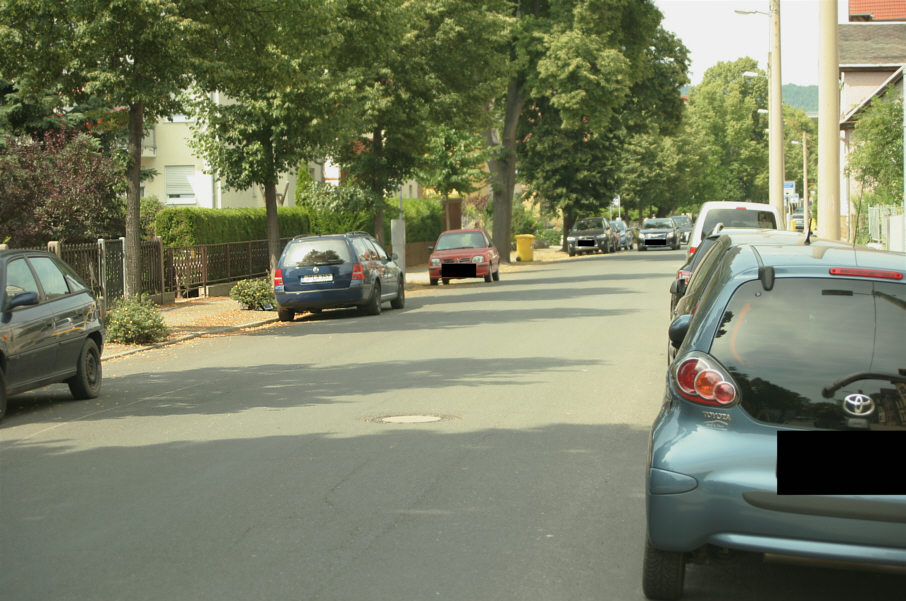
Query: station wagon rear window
x,y
752,218
324,251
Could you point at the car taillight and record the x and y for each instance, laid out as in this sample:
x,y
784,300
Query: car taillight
x,y
692,250
701,379
684,275
278,277
358,272
882,274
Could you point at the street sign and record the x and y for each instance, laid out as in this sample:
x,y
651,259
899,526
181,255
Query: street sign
x,y
789,188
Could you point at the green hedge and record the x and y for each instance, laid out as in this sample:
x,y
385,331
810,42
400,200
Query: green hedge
x,y
424,218
191,225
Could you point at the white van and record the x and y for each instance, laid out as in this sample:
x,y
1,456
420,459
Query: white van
x,y
733,214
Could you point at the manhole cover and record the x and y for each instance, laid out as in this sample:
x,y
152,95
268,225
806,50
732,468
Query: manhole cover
x,y
410,419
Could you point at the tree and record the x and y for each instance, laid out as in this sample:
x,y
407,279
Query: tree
x,y
59,187
876,160
453,163
423,64
135,54
586,61
724,108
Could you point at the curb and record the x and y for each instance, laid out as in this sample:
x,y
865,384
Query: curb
x,y
212,331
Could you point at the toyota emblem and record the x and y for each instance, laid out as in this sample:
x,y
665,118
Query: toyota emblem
x,y
316,270
858,405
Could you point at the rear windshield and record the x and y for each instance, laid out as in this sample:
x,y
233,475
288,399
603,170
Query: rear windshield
x,y
785,345
739,218
456,240
324,251
682,220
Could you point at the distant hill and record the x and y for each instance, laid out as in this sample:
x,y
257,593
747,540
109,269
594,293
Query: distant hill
x,y
800,97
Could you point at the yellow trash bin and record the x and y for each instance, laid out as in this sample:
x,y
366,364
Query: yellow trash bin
x,y
524,250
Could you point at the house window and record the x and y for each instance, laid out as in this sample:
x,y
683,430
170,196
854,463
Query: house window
x,y
179,190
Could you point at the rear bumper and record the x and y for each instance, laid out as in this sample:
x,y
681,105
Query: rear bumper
x,y
455,271
324,299
729,499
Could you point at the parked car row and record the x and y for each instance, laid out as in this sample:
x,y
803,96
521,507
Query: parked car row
x,y
777,338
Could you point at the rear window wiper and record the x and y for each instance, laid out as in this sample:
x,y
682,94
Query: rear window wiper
x,y
829,391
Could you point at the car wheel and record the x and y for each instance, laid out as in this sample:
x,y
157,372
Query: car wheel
x,y
663,573
641,247
86,384
496,274
400,301
373,307
446,281
286,314
434,282
571,253
488,277
2,395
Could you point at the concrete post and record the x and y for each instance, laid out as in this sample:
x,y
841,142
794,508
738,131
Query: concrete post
x,y
828,122
398,240
775,113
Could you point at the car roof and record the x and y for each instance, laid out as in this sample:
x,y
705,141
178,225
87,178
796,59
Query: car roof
x,y
465,229
17,252
817,258
768,236
731,204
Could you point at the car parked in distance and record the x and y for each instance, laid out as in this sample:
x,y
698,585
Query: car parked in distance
x,y
785,342
50,327
626,237
337,271
593,234
753,215
797,221
684,225
659,232
464,253
735,236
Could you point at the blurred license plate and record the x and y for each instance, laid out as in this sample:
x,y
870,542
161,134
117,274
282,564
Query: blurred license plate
x,y
323,277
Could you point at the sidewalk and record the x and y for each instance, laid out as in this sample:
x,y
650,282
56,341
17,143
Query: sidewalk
x,y
196,317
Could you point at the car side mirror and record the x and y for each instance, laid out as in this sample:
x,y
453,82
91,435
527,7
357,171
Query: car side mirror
x,y
22,299
394,256
678,287
678,330
430,249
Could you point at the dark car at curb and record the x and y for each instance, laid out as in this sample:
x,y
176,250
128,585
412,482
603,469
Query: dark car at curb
x,y
658,232
337,271
791,356
593,234
50,327
626,236
684,225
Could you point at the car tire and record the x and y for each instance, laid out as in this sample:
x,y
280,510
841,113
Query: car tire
x,y
400,301
433,282
286,314
488,279
496,274
446,281
641,247
663,573
86,384
571,253
373,306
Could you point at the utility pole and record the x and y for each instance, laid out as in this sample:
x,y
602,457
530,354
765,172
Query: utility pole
x,y
775,114
828,122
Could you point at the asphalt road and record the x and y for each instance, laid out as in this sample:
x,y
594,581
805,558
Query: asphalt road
x,y
269,465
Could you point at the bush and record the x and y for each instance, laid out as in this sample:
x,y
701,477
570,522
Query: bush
x,y
552,236
257,293
135,321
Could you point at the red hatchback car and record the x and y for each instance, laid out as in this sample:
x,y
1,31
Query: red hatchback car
x,y
468,253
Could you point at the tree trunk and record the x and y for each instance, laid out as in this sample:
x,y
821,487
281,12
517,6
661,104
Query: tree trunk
x,y
377,189
503,170
273,225
133,248
569,218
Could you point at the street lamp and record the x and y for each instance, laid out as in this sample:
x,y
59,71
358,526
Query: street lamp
x,y
775,110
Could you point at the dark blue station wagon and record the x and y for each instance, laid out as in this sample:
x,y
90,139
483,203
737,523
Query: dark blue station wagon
x,y
335,271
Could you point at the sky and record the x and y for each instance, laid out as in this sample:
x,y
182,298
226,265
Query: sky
x,y
713,32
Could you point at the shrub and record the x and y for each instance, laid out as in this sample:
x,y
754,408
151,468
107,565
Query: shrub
x,y
552,236
257,293
135,320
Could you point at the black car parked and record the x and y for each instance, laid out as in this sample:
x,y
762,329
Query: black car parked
x,y
335,271
594,234
50,327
